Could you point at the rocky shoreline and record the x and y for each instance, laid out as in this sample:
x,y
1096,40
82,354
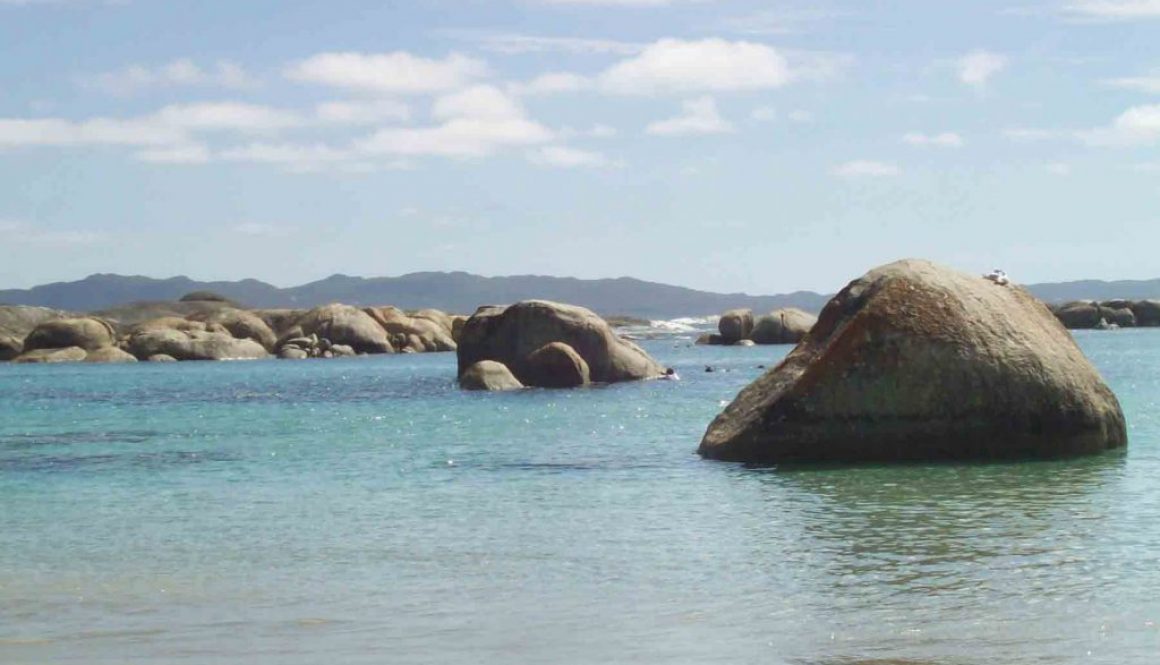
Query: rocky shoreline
x,y
912,361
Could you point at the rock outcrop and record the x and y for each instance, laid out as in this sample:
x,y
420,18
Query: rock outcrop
x,y
914,361
782,326
427,330
510,335
86,333
1089,314
193,345
242,325
342,324
488,375
10,347
735,325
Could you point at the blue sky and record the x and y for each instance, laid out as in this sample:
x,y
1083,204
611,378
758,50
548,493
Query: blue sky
x,y
730,145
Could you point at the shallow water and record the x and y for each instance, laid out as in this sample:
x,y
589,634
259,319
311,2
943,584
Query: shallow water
x,y
366,511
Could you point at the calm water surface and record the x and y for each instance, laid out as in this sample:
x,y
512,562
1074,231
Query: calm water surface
x,y
366,511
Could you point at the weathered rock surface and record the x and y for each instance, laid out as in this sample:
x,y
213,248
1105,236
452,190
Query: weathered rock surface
x,y
242,325
16,321
342,324
488,375
430,330
735,325
914,361
110,354
10,347
194,345
1147,312
87,333
782,326
510,335
71,354
557,365
161,358
1088,314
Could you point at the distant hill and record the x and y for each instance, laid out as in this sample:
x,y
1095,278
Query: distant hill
x,y
450,291
463,292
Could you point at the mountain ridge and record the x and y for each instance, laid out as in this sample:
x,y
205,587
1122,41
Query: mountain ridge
x,y
459,291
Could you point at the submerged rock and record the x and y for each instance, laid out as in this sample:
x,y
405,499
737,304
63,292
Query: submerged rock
x,y
510,335
914,361
488,375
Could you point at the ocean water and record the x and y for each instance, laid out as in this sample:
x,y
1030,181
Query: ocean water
x,y
367,511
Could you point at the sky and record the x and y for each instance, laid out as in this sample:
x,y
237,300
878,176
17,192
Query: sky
x,y
727,145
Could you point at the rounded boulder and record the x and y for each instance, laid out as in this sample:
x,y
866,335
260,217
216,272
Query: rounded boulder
x,y
914,361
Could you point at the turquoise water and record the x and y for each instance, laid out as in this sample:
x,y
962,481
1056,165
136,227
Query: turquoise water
x,y
366,511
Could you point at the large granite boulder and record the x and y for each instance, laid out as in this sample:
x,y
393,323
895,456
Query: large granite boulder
x,y
342,324
1078,315
70,354
557,365
1120,316
242,325
87,333
194,345
16,321
417,333
735,325
488,375
1147,312
914,361
782,326
511,334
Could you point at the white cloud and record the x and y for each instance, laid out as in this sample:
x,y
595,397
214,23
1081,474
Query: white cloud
x,y
678,66
943,140
1058,168
15,132
182,72
699,116
862,168
179,154
476,122
361,113
552,83
976,68
302,158
1139,125
1114,10
800,116
398,72
764,114
597,131
1030,134
515,44
1146,84
480,101
236,116
564,157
